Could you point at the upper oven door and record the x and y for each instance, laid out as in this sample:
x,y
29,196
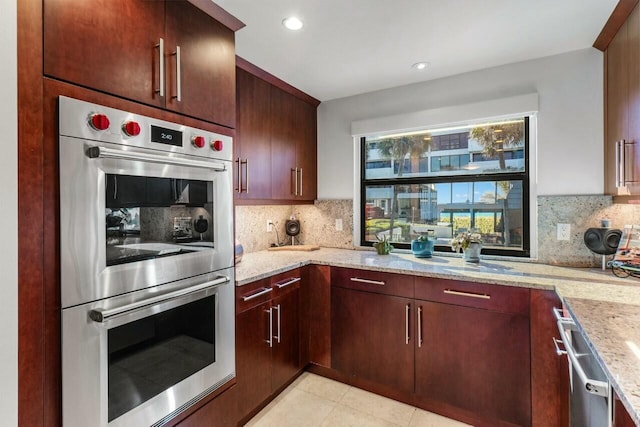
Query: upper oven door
x,y
132,218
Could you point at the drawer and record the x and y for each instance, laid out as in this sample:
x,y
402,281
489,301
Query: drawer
x,y
285,282
373,281
506,299
253,294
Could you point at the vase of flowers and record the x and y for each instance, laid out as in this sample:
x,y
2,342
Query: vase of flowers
x,y
422,247
383,245
470,242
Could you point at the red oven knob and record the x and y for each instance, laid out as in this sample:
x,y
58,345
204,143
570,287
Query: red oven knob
x,y
99,122
198,141
216,145
131,128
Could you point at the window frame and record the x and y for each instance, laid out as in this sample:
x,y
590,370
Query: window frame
x,y
524,177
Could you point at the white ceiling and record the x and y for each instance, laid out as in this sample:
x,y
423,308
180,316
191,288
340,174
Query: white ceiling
x,y
349,47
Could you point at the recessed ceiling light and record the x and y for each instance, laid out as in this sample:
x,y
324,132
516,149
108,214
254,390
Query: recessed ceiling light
x,y
420,65
292,23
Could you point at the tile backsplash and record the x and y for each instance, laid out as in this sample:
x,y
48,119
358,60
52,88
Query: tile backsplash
x,y
318,225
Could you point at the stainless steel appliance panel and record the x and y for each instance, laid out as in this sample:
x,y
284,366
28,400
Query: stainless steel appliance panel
x,y
85,356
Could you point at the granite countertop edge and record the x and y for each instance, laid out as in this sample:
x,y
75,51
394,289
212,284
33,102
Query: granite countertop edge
x,y
587,285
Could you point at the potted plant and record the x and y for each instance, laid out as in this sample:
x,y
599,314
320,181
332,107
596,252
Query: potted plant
x,y
422,247
383,246
471,244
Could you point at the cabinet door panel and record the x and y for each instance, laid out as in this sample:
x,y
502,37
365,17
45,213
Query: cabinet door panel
x,y
476,360
283,145
368,337
286,354
108,45
253,136
207,56
306,149
253,358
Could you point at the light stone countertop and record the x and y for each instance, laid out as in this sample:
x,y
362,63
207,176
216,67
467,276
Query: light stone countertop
x,y
606,308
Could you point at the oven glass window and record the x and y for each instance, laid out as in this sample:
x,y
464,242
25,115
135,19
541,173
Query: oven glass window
x,y
149,217
148,356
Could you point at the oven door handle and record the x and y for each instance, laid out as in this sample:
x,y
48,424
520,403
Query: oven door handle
x,y
190,293
98,152
596,387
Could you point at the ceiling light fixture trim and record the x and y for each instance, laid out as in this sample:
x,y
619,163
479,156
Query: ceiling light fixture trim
x,y
292,23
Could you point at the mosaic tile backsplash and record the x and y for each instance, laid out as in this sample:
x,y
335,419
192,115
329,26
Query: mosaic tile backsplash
x,y
318,225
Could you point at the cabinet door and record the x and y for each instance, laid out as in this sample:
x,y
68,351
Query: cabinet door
x,y
286,347
253,137
306,150
253,358
283,145
474,359
372,338
108,45
632,154
207,65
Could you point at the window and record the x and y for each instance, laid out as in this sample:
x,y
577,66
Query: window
x,y
448,181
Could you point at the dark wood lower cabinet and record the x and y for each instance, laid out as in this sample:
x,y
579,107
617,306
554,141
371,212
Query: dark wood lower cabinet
x,y
285,360
253,358
621,417
371,337
219,412
476,360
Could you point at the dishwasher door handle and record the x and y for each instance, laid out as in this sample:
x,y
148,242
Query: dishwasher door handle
x,y
600,388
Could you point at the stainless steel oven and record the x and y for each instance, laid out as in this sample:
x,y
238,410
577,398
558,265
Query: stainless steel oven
x,y
146,244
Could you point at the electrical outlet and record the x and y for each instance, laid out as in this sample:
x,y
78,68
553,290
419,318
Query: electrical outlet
x,y
269,226
338,224
564,232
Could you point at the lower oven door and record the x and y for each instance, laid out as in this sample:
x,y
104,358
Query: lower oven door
x,y
145,357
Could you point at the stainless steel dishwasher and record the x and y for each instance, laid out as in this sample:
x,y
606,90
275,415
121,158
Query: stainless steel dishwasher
x,y
591,393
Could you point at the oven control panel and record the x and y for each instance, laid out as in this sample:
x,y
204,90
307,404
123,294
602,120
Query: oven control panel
x,y
87,121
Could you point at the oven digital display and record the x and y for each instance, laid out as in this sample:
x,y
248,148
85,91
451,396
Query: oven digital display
x,y
166,136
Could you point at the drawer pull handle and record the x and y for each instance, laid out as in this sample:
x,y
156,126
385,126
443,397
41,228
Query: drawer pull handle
x,y
407,309
467,294
419,326
287,283
371,282
264,291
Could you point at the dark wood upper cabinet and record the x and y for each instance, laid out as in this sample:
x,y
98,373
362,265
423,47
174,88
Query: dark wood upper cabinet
x,y
276,139
114,46
622,111
207,64
253,138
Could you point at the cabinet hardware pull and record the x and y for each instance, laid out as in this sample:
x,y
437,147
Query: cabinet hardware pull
x,y
278,335
559,352
467,294
620,163
295,181
160,46
115,187
372,282
419,326
239,175
263,291
406,323
270,340
300,181
287,283
98,152
178,95
105,315
246,176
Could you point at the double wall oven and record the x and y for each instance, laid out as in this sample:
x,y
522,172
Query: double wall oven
x,y
146,244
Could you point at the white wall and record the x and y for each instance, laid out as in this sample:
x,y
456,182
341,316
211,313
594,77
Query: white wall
x,y
570,119
9,217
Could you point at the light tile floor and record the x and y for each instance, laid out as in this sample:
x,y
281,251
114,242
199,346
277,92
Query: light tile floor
x,y
312,400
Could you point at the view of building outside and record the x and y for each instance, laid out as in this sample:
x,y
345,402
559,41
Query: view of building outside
x,y
449,181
